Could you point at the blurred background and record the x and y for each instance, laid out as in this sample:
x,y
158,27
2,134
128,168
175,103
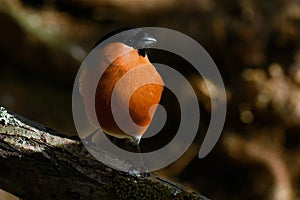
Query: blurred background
x,y
255,44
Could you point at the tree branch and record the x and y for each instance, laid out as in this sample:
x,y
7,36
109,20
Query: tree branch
x,y
40,163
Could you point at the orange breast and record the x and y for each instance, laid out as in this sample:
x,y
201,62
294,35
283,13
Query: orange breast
x,y
141,100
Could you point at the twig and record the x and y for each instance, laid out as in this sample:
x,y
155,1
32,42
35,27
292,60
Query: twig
x,y
40,163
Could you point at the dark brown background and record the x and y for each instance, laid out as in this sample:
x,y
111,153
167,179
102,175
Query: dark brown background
x,y
255,44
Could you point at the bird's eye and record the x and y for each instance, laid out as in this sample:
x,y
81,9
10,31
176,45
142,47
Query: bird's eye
x,y
142,52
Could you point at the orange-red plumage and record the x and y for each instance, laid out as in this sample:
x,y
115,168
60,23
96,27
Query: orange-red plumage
x,y
118,59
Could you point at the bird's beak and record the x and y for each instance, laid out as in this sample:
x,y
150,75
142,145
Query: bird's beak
x,y
148,40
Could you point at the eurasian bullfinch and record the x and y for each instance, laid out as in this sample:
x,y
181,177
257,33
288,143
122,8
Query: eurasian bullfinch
x,y
117,58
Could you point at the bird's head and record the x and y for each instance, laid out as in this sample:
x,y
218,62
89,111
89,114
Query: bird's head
x,y
133,37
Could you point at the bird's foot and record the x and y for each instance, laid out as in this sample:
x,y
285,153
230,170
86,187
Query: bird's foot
x,y
139,171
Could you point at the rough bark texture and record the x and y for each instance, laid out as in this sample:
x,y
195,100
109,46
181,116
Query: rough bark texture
x,y
40,163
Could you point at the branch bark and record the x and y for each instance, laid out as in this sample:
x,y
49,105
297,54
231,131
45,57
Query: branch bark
x,y
40,163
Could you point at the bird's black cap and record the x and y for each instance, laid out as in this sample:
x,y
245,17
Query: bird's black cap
x,y
134,37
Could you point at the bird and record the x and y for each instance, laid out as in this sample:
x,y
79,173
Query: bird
x,y
126,53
